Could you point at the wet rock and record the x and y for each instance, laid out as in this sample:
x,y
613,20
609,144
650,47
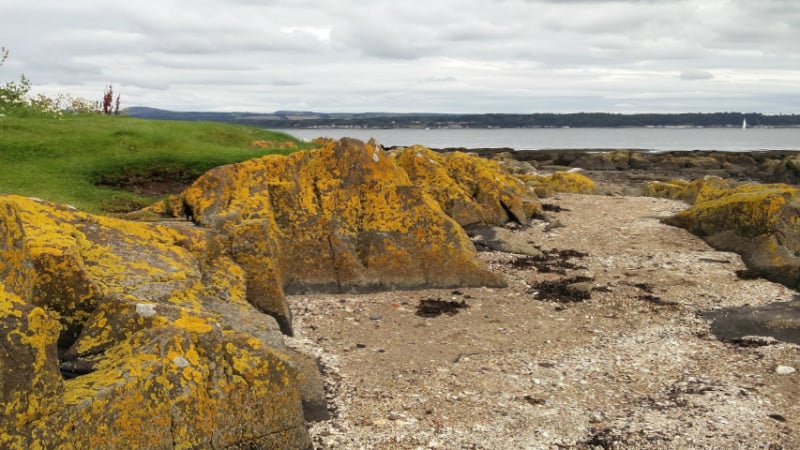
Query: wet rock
x,y
780,321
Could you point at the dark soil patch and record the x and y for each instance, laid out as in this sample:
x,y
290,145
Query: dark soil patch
x,y
435,307
150,183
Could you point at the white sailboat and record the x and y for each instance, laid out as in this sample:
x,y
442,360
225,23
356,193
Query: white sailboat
x,y
744,123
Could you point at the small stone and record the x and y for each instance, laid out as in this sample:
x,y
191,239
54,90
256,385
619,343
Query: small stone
x,y
785,370
180,361
146,309
359,345
581,289
380,422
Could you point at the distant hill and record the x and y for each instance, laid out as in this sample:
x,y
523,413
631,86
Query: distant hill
x,y
310,119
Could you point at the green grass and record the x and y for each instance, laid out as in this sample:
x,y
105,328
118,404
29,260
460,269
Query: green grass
x,y
90,161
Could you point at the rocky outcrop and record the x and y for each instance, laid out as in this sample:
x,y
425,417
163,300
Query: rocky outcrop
x,y
548,185
342,218
697,191
116,333
122,334
758,221
762,166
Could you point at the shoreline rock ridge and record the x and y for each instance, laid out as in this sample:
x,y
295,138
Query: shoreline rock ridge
x,y
124,333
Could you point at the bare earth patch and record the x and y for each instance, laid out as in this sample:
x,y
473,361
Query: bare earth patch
x,y
633,366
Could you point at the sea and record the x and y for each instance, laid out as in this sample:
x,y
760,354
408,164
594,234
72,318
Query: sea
x,y
650,139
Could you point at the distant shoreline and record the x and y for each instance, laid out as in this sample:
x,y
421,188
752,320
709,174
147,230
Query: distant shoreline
x,y
384,120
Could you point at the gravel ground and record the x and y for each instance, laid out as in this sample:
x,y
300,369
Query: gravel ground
x,y
537,366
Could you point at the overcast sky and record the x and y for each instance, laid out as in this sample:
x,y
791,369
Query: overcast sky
x,y
459,56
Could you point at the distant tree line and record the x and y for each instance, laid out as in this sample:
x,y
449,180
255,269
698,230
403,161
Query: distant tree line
x,y
538,120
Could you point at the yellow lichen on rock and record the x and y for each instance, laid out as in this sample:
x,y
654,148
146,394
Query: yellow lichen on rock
x,y
329,214
747,210
470,189
759,221
126,311
547,185
707,188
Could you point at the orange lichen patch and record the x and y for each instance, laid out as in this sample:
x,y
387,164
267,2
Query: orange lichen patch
x,y
546,185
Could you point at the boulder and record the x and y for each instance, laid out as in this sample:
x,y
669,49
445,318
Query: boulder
x,y
122,334
614,160
757,325
470,189
345,217
757,221
572,182
707,188
510,164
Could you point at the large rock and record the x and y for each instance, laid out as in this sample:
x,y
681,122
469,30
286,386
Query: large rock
x,y
572,182
470,189
345,217
760,222
707,188
120,334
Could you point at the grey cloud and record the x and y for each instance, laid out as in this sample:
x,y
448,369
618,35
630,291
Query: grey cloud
x,y
696,75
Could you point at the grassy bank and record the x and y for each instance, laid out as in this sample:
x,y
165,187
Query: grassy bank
x,y
109,164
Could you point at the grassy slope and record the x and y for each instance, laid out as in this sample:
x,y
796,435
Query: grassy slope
x,y
64,160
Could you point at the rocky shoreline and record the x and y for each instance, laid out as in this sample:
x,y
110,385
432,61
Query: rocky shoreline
x,y
188,316
634,166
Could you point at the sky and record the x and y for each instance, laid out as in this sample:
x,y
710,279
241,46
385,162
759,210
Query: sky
x,y
449,56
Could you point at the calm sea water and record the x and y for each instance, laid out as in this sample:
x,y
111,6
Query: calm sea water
x,y
726,139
